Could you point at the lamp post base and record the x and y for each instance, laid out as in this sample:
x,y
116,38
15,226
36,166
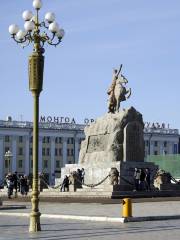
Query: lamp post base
x,y
35,225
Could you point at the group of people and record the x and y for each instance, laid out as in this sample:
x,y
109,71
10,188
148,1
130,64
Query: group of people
x,y
66,182
142,179
17,183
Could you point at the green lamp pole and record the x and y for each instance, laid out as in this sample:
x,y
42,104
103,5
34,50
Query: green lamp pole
x,y
34,34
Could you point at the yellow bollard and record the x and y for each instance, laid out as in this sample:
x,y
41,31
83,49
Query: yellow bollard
x,y
127,207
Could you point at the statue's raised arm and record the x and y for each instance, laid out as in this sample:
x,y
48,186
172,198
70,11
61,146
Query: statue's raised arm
x,y
119,70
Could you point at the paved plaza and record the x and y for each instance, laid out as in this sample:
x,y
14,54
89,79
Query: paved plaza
x,y
16,227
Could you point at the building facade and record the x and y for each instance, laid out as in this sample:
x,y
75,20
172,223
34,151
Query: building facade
x,y
161,140
59,144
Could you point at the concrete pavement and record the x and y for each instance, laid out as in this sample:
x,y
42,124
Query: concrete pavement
x,y
95,211
12,227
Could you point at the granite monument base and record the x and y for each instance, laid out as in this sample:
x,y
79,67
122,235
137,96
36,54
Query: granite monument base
x,y
94,175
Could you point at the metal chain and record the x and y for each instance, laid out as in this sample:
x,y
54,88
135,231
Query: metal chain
x,y
87,185
94,185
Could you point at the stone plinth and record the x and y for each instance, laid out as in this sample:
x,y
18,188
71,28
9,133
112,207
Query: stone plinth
x,y
112,141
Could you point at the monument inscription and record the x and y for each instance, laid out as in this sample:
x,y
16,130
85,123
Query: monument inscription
x,y
97,143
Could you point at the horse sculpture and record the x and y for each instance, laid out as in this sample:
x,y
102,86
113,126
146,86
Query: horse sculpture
x,y
117,91
120,92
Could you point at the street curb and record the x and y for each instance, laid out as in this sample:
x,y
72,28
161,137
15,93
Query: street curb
x,y
12,207
97,218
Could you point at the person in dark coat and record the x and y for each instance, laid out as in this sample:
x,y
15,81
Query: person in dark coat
x,y
142,180
15,179
148,179
65,184
137,178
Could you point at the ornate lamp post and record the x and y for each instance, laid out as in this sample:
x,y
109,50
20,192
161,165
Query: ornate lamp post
x,y
8,155
35,32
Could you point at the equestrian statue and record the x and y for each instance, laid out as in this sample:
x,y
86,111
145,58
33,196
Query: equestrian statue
x,y
117,91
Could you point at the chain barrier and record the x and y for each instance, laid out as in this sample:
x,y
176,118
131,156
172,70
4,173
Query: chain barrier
x,y
83,184
94,185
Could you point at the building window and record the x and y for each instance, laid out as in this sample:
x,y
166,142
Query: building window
x,y
48,139
7,139
45,163
20,151
155,143
165,144
20,163
155,152
44,139
31,139
147,143
56,152
30,150
43,151
57,164
68,152
68,141
20,139
6,149
72,140
72,152
47,152
31,163
60,152
175,150
58,140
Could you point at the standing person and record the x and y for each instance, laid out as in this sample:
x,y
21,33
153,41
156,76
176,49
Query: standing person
x,y
65,184
82,175
137,179
142,179
148,179
79,172
15,179
10,184
26,185
22,184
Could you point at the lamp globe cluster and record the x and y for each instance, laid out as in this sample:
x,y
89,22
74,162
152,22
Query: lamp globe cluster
x,y
32,27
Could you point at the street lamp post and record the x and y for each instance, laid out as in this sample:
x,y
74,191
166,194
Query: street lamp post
x,y
8,155
34,34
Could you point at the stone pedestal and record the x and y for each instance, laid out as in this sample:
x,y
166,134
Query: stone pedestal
x,y
112,141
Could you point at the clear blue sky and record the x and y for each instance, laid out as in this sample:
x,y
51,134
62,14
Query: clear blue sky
x,y
100,34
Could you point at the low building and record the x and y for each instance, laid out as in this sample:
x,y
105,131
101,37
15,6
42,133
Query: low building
x,y
160,140
58,144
